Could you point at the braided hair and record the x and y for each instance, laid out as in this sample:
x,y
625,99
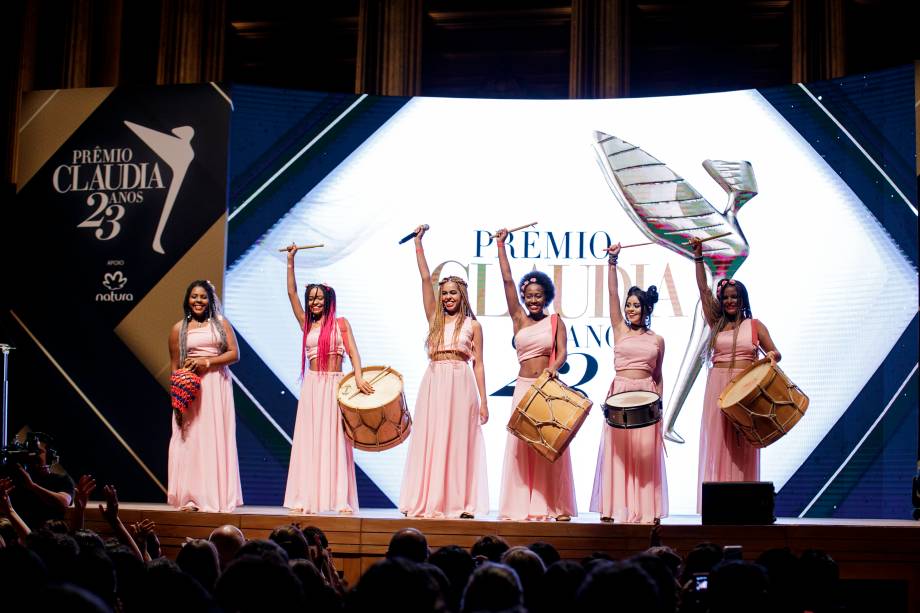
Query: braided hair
x,y
326,330
436,325
744,312
214,316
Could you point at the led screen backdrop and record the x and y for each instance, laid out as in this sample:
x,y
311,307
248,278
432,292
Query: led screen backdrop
x,y
831,269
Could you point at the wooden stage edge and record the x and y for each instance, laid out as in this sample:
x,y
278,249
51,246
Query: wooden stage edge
x,y
864,549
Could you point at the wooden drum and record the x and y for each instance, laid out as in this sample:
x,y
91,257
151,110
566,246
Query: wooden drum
x,y
548,416
763,403
377,421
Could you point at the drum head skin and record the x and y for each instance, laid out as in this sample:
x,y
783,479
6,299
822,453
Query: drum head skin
x,y
745,383
386,389
632,399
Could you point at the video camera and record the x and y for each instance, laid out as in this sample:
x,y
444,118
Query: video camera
x,y
29,453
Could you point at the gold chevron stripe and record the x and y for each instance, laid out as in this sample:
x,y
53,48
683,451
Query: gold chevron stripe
x,y
51,118
89,403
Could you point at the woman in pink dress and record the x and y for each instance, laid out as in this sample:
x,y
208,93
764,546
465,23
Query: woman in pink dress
x,y
445,474
725,455
321,476
533,488
204,472
630,484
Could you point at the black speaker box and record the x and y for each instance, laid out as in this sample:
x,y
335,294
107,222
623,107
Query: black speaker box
x,y
738,503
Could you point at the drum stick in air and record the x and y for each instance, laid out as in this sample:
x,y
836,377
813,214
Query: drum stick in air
x,y
302,247
526,225
636,245
712,238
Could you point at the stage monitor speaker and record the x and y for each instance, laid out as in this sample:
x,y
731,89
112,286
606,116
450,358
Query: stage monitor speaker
x,y
738,503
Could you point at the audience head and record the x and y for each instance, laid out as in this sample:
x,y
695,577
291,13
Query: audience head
x,y
701,559
665,583
278,587
22,574
264,548
458,565
560,585
167,586
227,539
783,573
530,570
548,553
410,544
314,535
622,583
291,539
130,575
199,559
820,578
58,551
96,573
732,582
670,558
492,587
416,588
491,547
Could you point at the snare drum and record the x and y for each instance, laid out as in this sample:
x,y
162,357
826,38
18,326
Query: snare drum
x,y
377,421
762,403
548,416
636,409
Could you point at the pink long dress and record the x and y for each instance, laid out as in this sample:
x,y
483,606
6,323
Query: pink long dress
x,y
630,483
533,487
725,455
445,473
321,476
204,470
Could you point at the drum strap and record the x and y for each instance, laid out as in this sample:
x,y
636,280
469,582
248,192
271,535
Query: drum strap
x,y
341,322
754,339
553,322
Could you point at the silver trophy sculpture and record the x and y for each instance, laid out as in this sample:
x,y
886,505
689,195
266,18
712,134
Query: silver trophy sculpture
x,y
669,212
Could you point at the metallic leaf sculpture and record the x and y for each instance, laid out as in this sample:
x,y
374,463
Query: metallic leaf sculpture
x,y
669,211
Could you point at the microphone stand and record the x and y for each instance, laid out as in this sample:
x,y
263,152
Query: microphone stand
x,y
5,348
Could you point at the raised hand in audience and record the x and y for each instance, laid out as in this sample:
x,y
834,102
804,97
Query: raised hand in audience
x,y
145,535
7,510
81,493
109,512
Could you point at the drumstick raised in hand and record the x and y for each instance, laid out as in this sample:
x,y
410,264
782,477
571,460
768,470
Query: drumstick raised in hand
x,y
510,230
296,247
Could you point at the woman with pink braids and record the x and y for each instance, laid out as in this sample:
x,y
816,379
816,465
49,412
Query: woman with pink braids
x,y
322,472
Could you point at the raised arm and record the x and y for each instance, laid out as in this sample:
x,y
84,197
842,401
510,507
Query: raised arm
x,y
613,290
710,306
763,337
479,371
7,510
292,287
110,514
511,290
428,298
352,348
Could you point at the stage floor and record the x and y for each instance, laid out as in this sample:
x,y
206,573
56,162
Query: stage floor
x,y
865,549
